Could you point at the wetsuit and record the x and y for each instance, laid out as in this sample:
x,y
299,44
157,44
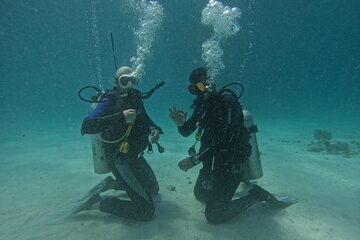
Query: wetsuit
x,y
224,149
130,169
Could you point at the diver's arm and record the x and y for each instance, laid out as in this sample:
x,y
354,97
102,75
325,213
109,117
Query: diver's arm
x,y
101,118
189,125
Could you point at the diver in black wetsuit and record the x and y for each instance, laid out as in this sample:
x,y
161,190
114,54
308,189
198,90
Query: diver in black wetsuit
x,y
224,150
124,127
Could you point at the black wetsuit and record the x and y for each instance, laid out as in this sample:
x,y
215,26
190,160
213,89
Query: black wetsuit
x,y
224,149
130,169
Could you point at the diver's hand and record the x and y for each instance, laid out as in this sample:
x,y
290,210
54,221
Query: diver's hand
x,y
178,116
186,164
130,115
154,135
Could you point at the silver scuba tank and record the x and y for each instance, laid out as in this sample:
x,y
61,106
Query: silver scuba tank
x,y
253,169
98,151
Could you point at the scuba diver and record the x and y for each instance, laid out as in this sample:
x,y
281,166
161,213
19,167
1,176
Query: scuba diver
x,y
122,129
225,150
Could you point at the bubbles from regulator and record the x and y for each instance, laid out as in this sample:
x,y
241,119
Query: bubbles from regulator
x,y
97,46
151,16
222,18
224,21
212,54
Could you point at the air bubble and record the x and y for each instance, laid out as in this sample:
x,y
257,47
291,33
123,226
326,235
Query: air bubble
x,y
224,21
151,16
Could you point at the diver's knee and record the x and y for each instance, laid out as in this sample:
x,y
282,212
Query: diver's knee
x,y
201,196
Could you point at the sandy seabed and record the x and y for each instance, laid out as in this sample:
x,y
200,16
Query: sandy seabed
x,y
43,175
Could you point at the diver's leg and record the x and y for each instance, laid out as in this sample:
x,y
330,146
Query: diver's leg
x,y
220,207
144,173
139,207
203,185
136,209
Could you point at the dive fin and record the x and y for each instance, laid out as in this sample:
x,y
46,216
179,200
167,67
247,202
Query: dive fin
x,y
87,204
280,201
104,185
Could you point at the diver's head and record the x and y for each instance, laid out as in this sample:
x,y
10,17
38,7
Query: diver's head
x,y
125,78
199,82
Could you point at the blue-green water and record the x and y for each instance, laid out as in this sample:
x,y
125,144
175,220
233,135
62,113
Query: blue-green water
x,y
302,70
305,62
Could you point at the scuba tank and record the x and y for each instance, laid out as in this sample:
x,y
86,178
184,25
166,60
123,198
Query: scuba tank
x,y
98,150
99,156
253,169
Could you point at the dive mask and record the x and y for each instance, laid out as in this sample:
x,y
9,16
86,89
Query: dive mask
x,y
197,88
128,80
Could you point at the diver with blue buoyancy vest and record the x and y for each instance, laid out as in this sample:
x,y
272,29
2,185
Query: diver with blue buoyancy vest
x,y
123,127
228,150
